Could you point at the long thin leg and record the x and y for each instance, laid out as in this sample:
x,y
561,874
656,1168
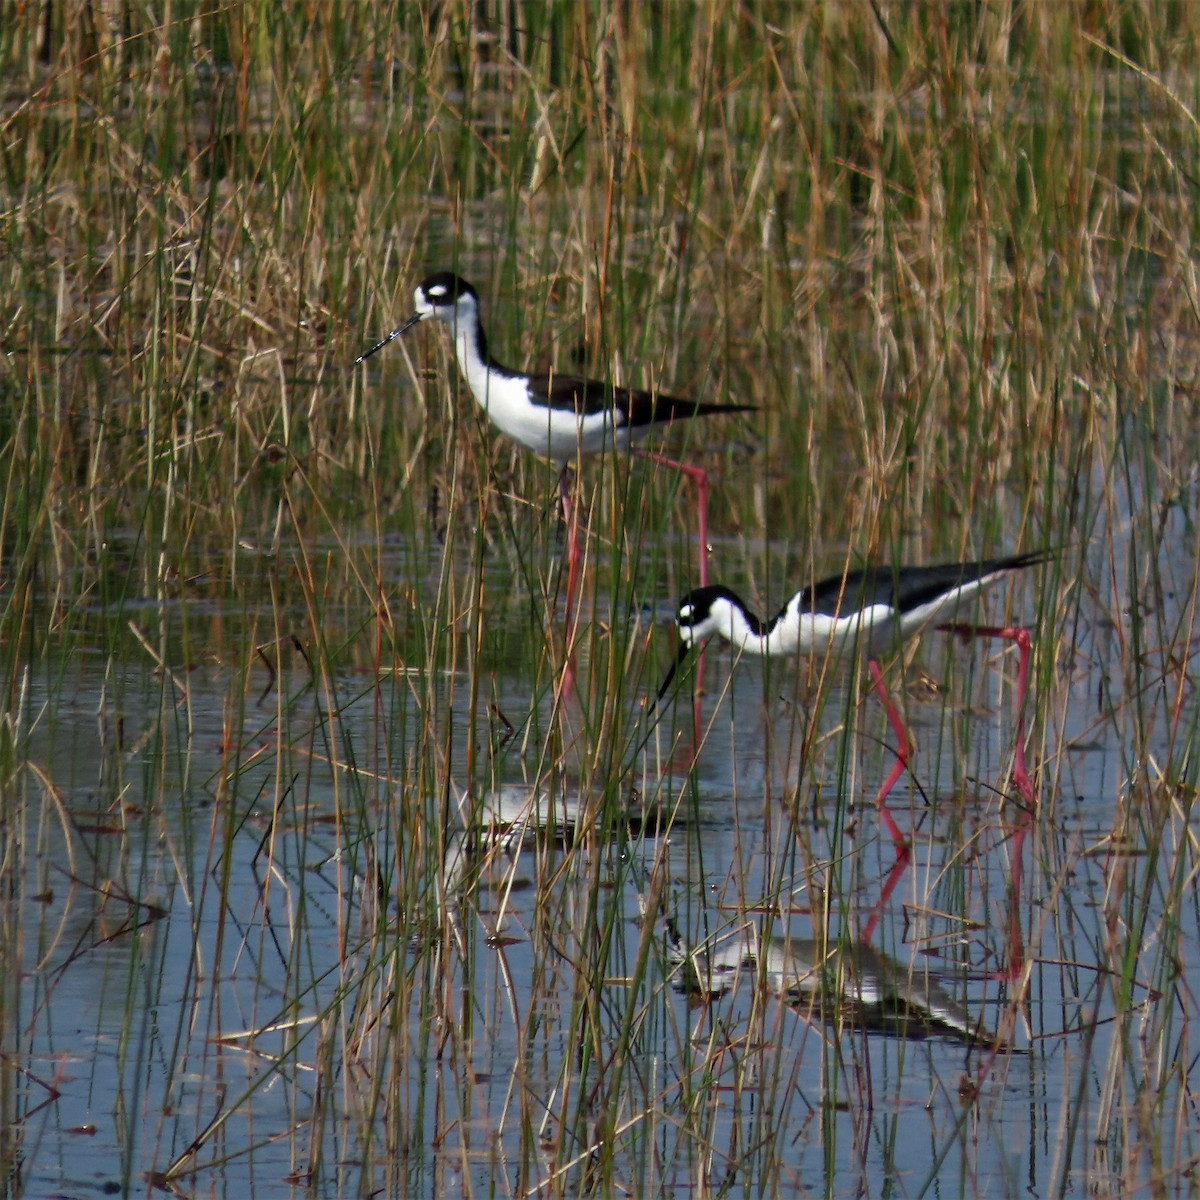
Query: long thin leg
x,y
1016,944
571,516
901,764
885,894
1020,776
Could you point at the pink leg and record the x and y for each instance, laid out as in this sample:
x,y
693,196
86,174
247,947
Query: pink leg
x,y
1016,945
889,886
699,476
571,516
1021,778
901,764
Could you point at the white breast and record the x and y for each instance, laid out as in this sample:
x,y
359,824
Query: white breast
x,y
555,433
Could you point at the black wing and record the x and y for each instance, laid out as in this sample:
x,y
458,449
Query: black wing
x,y
569,393
648,408
905,588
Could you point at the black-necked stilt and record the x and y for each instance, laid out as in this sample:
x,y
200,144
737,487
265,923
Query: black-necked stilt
x,y
556,416
868,610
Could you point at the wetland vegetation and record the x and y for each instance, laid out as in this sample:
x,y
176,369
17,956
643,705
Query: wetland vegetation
x,y
314,879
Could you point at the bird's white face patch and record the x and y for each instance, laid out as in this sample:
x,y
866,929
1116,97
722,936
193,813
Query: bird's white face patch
x,y
437,291
686,614
424,301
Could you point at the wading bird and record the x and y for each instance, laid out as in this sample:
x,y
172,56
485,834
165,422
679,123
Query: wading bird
x,y
868,610
556,416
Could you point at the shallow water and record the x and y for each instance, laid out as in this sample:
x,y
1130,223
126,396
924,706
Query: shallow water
x,y
210,860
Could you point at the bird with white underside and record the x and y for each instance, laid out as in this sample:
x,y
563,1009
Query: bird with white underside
x,y
555,415
865,611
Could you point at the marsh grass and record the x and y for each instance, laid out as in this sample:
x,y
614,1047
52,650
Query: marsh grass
x,y
278,634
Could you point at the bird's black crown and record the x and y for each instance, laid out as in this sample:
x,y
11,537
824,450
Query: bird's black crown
x,y
444,287
697,605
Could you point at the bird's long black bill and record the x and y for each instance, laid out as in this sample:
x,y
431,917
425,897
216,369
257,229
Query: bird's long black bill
x,y
391,337
680,658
